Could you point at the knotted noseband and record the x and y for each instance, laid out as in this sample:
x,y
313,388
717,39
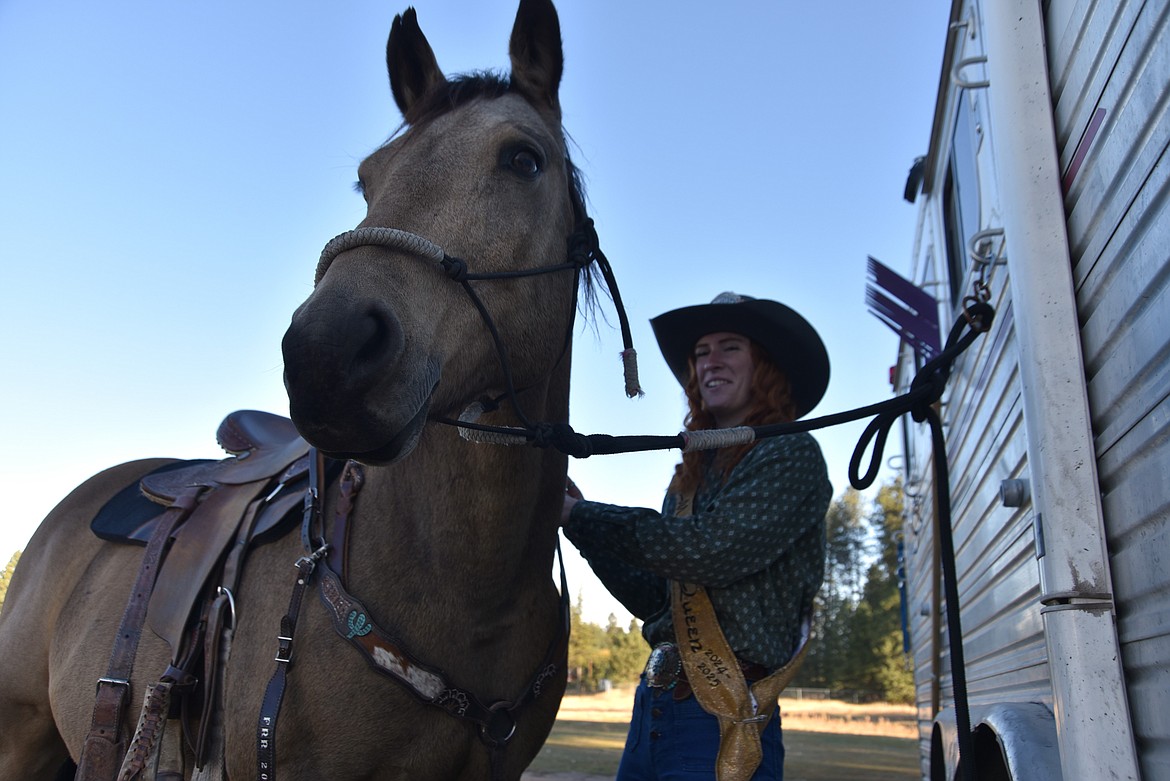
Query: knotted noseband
x,y
583,250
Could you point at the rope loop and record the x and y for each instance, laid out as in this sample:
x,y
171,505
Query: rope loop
x,y
877,431
583,243
562,437
931,380
456,268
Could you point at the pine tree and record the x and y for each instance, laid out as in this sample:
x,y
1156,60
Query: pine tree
x,y
876,627
588,651
6,577
845,536
628,651
596,654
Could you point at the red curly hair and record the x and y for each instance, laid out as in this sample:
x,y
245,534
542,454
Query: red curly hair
x,y
772,402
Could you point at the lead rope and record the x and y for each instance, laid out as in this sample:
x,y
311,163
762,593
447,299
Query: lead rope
x,y
951,594
926,389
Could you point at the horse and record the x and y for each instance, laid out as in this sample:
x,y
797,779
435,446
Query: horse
x,y
438,305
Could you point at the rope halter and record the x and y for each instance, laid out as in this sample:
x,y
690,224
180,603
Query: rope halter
x,y
583,250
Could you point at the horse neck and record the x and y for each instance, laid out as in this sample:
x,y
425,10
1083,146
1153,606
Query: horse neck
x,y
476,521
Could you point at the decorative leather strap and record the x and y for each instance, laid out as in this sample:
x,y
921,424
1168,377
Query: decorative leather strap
x,y
496,722
101,754
351,620
718,681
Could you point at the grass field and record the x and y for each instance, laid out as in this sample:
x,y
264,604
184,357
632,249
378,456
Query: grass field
x,y
824,741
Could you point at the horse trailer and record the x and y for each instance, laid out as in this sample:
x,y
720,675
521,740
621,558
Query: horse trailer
x,y
1045,192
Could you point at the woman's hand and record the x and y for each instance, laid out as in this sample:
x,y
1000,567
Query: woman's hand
x,y
572,496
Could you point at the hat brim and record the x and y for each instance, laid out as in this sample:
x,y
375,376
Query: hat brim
x,y
790,340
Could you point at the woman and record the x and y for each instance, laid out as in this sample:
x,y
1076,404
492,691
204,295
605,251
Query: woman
x,y
746,523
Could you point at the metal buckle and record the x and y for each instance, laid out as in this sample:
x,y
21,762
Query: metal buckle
x,y
664,666
284,650
112,682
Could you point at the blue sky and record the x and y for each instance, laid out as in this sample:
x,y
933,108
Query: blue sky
x,y
170,171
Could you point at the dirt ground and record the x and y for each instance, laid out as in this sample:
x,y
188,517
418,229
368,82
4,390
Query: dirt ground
x,y
814,716
899,721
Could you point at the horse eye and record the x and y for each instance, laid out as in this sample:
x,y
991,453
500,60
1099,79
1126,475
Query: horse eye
x,y
526,163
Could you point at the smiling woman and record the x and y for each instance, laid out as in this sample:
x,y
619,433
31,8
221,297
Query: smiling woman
x,y
730,567
723,364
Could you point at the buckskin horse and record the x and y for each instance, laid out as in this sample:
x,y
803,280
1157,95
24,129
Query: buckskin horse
x,y
437,302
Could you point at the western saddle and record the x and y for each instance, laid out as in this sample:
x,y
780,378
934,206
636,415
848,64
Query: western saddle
x,y
195,549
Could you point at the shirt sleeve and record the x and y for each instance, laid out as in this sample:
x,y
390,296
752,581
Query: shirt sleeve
x,y
735,531
642,592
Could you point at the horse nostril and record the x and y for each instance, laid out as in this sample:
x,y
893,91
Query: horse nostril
x,y
349,346
376,338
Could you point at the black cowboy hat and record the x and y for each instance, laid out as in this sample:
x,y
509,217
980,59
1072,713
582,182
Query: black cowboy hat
x,y
787,337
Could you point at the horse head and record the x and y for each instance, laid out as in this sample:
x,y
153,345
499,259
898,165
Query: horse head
x,y
393,336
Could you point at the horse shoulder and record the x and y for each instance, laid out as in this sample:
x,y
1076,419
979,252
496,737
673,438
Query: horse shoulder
x,y
62,606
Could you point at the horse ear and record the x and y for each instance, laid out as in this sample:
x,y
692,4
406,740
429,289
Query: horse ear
x,y
535,50
411,62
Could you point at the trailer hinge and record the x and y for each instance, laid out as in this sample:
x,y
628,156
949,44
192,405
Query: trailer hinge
x,y
1038,534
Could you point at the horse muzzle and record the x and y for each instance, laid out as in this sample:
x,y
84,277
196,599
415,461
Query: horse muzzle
x,y
353,389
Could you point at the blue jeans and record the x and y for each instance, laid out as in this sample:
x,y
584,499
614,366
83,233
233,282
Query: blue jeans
x,y
676,740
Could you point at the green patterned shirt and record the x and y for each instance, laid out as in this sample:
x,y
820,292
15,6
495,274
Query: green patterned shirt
x,y
756,542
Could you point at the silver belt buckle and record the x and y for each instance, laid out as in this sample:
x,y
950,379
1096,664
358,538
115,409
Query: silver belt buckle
x,y
663,667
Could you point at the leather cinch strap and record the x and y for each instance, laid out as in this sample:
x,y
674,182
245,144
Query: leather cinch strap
x,y
718,682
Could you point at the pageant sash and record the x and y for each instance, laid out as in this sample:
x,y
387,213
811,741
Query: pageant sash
x,y
717,680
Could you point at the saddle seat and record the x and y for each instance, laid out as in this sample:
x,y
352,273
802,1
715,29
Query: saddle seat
x,y
262,446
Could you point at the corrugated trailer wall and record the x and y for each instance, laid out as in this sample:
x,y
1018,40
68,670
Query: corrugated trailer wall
x,y
999,585
1109,68
1112,105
